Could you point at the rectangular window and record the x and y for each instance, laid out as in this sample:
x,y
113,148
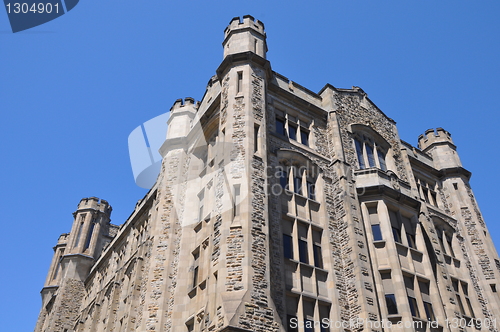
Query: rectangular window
x,y
429,312
359,153
304,136
450,245
297,185
292,131
324,315
292,321
240,81
283,179
411,240
195,277
303,254
381,160
89,236
413,306
196,256
79,234
377,233
369,153
287,246
311,190
237,199
308,325
318,257
256,139
396,233
280,126
392,307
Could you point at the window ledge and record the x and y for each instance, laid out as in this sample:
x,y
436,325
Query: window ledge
x,y
379,244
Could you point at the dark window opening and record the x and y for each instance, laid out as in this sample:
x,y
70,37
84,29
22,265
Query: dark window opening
x,y
303,255
311,190
287,246
411,240
377,233
396,233
318,257
359,152
392,307
304,137
297,185
292,321
413,306
280,126
429,312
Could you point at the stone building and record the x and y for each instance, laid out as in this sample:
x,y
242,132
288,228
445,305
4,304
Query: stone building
x,y
277,207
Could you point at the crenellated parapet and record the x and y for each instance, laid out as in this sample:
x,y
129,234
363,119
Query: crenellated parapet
x,y
432,136
95,204
439,145
245,35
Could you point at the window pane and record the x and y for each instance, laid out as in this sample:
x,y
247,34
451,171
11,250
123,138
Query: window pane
x,y
413,306
311,190
280,126
303,256
390,301
284,180
318,257
396,233
359,152
304,136
460,305
195,277
287,246
469,305
292,321
411,240
369,152
297,185
308,325
429,312
381,160
377,234
292,131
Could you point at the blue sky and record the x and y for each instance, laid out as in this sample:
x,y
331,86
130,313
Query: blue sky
x,y
73,89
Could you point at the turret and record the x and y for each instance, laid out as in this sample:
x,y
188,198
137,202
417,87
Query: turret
x,y
439,145
245,36
181,115
90,224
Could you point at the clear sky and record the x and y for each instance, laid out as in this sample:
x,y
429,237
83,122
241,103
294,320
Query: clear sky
x,y
73,89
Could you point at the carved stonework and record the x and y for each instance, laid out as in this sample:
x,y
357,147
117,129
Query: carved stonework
x,y
350,111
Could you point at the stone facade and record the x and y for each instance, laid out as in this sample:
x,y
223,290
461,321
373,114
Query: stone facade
x,y
277,207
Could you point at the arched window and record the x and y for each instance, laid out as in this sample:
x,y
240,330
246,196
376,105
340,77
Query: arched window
x,y
371,149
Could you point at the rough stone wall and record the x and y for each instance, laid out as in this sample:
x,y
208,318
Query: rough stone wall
x,y
477,243
258,316
474,278
234,260
67,305
224,100
350,111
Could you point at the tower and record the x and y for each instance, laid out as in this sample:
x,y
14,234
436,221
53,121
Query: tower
x,y
281,209
74,254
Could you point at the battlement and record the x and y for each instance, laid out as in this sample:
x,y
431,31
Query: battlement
x,y
96,204
181,103
243,36
432,136
247,22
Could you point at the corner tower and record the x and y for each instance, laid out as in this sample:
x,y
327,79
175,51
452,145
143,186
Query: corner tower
x,y
74,254
245,36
